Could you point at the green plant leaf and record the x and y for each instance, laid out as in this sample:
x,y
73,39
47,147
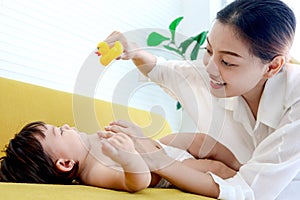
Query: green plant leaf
x,y
185,44
155,39
201,37
195,51
172,49
200,40
178,105
173,26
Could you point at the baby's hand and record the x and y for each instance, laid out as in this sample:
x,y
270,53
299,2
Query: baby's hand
x,y
118,146
125,127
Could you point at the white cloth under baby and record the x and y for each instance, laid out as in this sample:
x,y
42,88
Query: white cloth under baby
x,y
177,154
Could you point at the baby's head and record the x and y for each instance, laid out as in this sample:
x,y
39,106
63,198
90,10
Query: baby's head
x,y
27,162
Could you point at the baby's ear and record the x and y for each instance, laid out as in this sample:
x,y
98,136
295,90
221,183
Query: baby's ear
x,y
64,165
275,66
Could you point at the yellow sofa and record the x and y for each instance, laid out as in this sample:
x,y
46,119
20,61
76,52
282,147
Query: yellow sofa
x,y
21,103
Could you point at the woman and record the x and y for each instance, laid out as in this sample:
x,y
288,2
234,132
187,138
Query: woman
x,y
245,95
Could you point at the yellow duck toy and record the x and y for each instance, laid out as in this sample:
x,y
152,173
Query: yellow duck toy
x,y
108,54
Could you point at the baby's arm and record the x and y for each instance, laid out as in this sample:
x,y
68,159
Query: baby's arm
x,y
198,144
202,146
120,148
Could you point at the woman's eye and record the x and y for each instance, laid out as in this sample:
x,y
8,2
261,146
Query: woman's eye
x,y
208,51
226,63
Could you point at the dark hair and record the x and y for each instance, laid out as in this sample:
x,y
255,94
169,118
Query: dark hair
x,y
26,162
268,26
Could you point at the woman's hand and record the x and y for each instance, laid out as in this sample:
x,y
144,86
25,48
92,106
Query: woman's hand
x,y
144,60
129,47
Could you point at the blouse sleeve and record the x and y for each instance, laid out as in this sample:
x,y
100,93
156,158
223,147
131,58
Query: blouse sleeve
x,y
170,74
187,82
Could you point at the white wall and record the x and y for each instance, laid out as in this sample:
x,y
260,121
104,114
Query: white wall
x,y
199,15
295,5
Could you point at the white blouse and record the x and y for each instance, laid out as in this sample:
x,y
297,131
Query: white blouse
x,y
268,147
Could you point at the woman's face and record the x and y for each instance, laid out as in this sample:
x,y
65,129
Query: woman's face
x,y
233,71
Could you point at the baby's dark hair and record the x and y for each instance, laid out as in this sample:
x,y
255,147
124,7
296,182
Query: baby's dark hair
x,y
27,162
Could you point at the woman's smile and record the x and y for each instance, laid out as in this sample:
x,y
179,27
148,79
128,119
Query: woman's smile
x,y
216,84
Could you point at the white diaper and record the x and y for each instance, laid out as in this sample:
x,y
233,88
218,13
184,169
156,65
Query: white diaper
x,y
177,154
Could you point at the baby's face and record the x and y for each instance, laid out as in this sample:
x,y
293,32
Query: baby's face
x,y
61,142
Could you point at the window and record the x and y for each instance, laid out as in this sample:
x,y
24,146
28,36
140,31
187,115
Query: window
x,y
48,42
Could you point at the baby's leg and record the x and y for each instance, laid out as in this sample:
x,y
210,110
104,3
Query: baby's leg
x,y
202,146
214,166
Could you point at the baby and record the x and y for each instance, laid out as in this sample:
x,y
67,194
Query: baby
x,y
43,153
